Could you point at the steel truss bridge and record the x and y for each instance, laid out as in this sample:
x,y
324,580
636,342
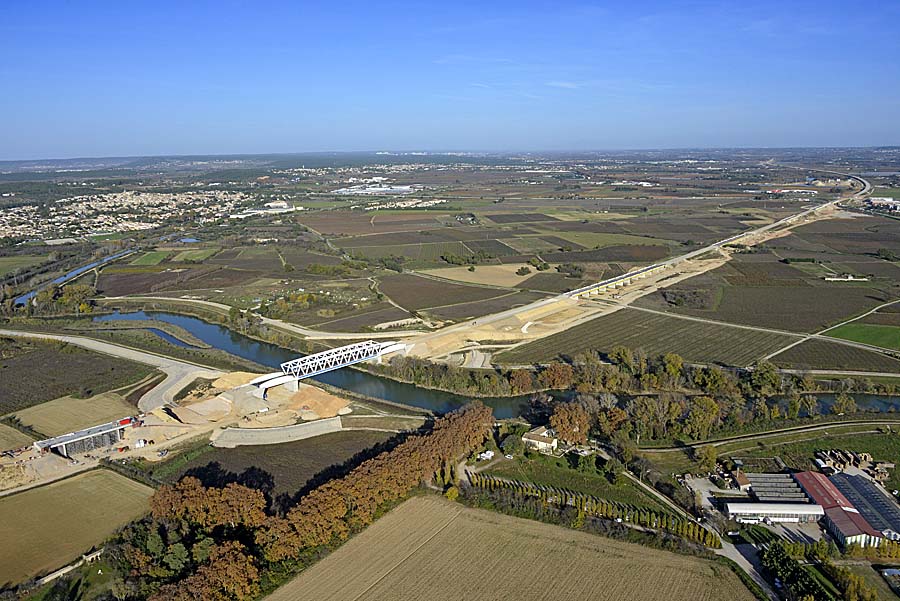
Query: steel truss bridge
x,y
319,363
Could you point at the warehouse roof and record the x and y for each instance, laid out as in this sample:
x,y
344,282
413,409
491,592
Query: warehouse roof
x,y
774,509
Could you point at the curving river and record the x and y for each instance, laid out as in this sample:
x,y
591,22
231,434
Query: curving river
x,y
271,355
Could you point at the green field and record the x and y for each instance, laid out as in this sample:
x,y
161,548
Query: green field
x,y
151,258
552,471
657,334
47,527
886,193
10,264
876,335
196,256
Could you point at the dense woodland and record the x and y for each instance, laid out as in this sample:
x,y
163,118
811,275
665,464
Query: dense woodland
x,y
630,395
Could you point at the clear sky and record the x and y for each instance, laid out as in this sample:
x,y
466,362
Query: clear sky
x,y
120,78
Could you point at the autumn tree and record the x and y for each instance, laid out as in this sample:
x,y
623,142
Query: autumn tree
x,y
570,422
557,376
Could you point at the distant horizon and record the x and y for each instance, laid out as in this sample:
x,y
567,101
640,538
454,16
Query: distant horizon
x,y
441,152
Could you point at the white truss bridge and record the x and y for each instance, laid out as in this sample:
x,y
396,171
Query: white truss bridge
x,y
319,363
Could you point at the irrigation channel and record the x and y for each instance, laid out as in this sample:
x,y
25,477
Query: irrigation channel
x,y
271,355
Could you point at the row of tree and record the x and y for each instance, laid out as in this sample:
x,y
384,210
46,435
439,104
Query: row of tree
x,y
594,506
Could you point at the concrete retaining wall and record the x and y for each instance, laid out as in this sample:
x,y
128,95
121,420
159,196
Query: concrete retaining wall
x,y
236,437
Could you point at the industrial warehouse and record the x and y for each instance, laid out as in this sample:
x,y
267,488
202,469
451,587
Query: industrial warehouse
x,y
854,509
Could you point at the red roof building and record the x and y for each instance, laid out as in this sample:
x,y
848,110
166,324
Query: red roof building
x,y
843,520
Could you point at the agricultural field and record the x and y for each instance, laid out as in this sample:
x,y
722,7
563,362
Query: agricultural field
x,y
68,414
10,438
656,334
151,258
10,264
195,256
884,336
56,370
759,290
555,471
412,552
415,293
279,469
47,527
820,354
464,311
488,275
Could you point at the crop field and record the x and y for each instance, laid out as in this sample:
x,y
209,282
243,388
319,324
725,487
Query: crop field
x,y
45,528
554,472
352,223
10,438
656,334
151,258
279,468
645,253
417,253
796,307
68,414
60,370
463,311
519,217
433,549
10,264
549,282
414,293
820,354
197,256
877,335
257,258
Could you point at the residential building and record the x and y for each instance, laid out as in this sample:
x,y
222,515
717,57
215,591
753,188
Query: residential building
x,y
541,439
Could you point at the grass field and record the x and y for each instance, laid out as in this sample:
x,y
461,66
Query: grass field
x,y
151,258
68,414
656,334
554,472
60,369
876,335
45,528
10,264
196,256
433,549
10,438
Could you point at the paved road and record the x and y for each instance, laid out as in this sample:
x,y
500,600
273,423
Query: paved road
x,y
178,373
277,323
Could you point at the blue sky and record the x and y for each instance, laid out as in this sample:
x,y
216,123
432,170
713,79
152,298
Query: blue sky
x,y
92,78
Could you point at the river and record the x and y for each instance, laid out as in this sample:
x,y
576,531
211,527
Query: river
x,y
273,356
